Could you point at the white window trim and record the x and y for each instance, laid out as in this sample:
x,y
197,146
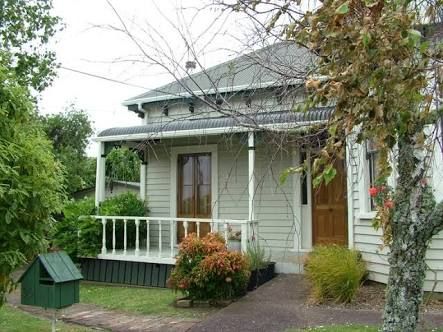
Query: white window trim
x,y
210,148
349,193
363,173
365,200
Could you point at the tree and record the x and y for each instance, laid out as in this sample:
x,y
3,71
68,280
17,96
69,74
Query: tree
x,y
123,164
376,67
26,26
69,132
30,180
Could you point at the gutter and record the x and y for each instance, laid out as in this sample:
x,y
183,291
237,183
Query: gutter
x,y
206,131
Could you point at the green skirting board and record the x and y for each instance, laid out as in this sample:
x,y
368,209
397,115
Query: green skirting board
x,y
123,272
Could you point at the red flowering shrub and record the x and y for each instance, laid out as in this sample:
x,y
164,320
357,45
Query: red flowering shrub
x,y
382,196
206,270
373,191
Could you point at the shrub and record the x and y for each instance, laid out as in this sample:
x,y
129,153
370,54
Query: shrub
x,y
78,237
206,270
334,272
257,256
125,204
83,237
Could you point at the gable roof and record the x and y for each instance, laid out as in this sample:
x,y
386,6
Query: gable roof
x,y
59,266
270,66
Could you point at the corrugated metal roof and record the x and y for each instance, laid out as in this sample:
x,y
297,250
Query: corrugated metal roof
x,y
59,266
266,118
270,66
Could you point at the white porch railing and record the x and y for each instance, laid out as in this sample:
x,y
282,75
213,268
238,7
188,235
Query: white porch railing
x,y
156,246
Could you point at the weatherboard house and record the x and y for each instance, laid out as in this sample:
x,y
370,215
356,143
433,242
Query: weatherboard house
x,y
213,147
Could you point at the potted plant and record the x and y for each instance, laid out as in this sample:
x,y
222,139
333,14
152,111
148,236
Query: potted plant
x,y
262,269
234,239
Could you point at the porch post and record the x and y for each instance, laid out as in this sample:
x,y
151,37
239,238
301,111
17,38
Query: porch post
x,y
251,168
100,174
296,162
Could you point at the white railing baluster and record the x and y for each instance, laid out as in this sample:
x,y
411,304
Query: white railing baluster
x,y
137,237
104,236
113,236
125,237
185,225
249,231
159,238
171,235
147,238
225,233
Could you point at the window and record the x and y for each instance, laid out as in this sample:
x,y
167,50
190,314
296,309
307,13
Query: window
x,y
372,160
194,185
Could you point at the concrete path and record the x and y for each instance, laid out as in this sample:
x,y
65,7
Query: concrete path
x,y
280,304
111,320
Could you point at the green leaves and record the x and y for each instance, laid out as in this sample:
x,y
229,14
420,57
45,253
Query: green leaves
x,y
326,176
343,8
414,36
366,38
69,132
329,174
66,231
25,30
288,171
123,164
31,180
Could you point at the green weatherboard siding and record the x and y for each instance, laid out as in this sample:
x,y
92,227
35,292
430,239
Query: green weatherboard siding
x,y
51,281
122,272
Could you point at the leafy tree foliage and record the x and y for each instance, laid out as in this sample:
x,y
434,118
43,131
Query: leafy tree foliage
x,y
26,26
123,164
30,180
70,132
376,67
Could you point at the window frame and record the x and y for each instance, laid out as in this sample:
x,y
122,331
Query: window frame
x,y
371,175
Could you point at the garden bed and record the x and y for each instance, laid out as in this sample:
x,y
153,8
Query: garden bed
x,y
371,296
261,276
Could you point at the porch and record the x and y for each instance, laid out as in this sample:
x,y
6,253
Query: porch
x,y
155,239
211,172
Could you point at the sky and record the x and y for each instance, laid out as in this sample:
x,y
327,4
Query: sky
x,y
89,44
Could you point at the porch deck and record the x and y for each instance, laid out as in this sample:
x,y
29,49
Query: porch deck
x,y
153,256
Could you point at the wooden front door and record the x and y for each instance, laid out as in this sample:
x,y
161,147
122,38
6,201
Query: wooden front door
x,y
194,191
329,217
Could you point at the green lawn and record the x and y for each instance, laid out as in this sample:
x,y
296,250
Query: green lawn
x,y
337,328
15,320
149,301
344,328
